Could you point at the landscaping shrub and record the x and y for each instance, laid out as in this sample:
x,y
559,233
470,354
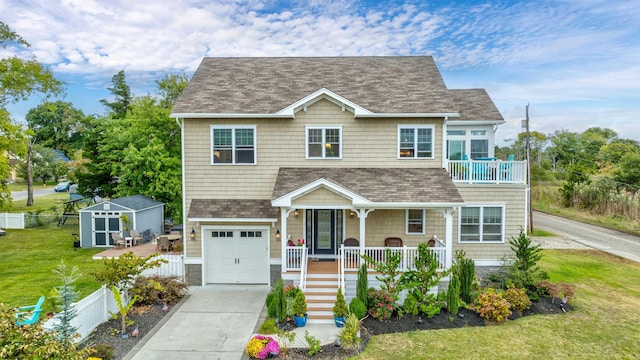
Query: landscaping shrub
x,y
410,305
382,304
389,272
517,298
349,334
525,272
357,308
269,326
340,306
276,302
492,306
102,351
157,289
420,280
466,269
33,341
362,285
453,295
561,290
314,343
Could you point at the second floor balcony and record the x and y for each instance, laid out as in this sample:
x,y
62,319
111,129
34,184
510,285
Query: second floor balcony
x,y
488,171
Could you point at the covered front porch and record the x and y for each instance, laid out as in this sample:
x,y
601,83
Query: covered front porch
x,y
341,214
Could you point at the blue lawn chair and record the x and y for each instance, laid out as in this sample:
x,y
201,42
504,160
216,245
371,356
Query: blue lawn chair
x,y
29,315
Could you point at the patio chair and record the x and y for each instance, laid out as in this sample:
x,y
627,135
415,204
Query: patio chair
x,y
136,237
163,243
393,242
28,315
118,240
351,242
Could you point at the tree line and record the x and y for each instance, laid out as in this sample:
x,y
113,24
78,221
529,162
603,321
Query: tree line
x,y
595,169
134,148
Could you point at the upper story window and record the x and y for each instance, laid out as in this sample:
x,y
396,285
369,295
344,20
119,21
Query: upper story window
x,y
324,142
415,222
233,145
415,141
475,143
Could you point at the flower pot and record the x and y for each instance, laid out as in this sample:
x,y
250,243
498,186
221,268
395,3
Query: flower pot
x,y
339,320
300,320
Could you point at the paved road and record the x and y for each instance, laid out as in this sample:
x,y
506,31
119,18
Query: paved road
x,y
22,195
611,241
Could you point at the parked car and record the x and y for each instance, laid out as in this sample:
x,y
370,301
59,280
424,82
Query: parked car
x,y
62,186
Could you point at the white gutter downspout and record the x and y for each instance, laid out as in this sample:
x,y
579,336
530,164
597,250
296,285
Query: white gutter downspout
x,y
445,161
184,200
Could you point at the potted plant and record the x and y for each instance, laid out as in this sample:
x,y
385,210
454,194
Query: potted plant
x,y
339,309
300,309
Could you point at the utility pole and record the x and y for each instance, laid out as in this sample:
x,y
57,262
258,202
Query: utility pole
x,y
528,150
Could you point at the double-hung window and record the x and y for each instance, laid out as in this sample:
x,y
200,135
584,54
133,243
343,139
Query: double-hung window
x,y
324,142
481,224
233,145
415,141
415,222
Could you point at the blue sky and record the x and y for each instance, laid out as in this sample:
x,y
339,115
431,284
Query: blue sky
x,y
576,62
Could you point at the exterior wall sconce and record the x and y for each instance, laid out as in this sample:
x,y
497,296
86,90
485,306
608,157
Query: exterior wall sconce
x,y
352,213
277,233
192,235
295,213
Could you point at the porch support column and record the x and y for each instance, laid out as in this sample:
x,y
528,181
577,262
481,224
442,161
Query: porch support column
x,y
283,238
362,216
448,237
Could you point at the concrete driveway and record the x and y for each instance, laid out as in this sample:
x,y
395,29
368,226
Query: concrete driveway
x,y
214,322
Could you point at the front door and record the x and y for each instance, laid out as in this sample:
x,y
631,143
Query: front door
x,y
324,227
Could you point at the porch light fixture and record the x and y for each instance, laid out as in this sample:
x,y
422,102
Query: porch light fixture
x,y
352,213
277,233
295,213
193,234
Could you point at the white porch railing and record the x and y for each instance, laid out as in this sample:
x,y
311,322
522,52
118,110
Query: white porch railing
x,y
294,257
12,220
350,260
488,172
303,269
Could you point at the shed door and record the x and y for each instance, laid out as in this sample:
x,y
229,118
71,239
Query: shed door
x,y
237,256
104,223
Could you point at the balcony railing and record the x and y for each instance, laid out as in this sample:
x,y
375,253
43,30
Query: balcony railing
x,y
488,171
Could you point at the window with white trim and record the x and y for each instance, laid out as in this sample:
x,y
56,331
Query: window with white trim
x,y
415,222
324,142
415,141
481,224
233,145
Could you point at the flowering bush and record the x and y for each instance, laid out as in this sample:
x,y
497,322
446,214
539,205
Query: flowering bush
x,y
260,347
290,291
381,304
300,242
492,306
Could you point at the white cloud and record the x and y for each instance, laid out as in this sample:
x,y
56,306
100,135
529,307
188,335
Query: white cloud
x,y
554,54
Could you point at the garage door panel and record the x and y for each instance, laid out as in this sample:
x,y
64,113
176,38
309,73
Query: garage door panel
x,y
237,256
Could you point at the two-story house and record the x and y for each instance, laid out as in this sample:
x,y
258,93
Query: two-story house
x,y
286,158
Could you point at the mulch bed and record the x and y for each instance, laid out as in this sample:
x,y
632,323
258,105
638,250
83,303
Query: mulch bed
x,y
395,324
147,317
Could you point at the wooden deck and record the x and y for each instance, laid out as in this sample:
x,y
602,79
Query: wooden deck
x,y
138,250
322,267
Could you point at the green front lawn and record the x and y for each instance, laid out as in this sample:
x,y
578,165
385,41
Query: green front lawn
x,y
605,321
30,255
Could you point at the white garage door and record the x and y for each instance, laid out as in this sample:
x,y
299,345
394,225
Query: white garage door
x,y
237,256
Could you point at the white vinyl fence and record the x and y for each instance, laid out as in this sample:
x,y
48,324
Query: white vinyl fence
x,y
12,220
95,309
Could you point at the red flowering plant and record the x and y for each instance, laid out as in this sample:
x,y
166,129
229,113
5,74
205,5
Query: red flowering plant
x,y
300,242
261,347
381,304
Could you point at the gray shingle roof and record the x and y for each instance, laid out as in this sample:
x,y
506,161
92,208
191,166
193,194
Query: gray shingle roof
x,y
475,104
235,209
399,185
136,202
397,84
